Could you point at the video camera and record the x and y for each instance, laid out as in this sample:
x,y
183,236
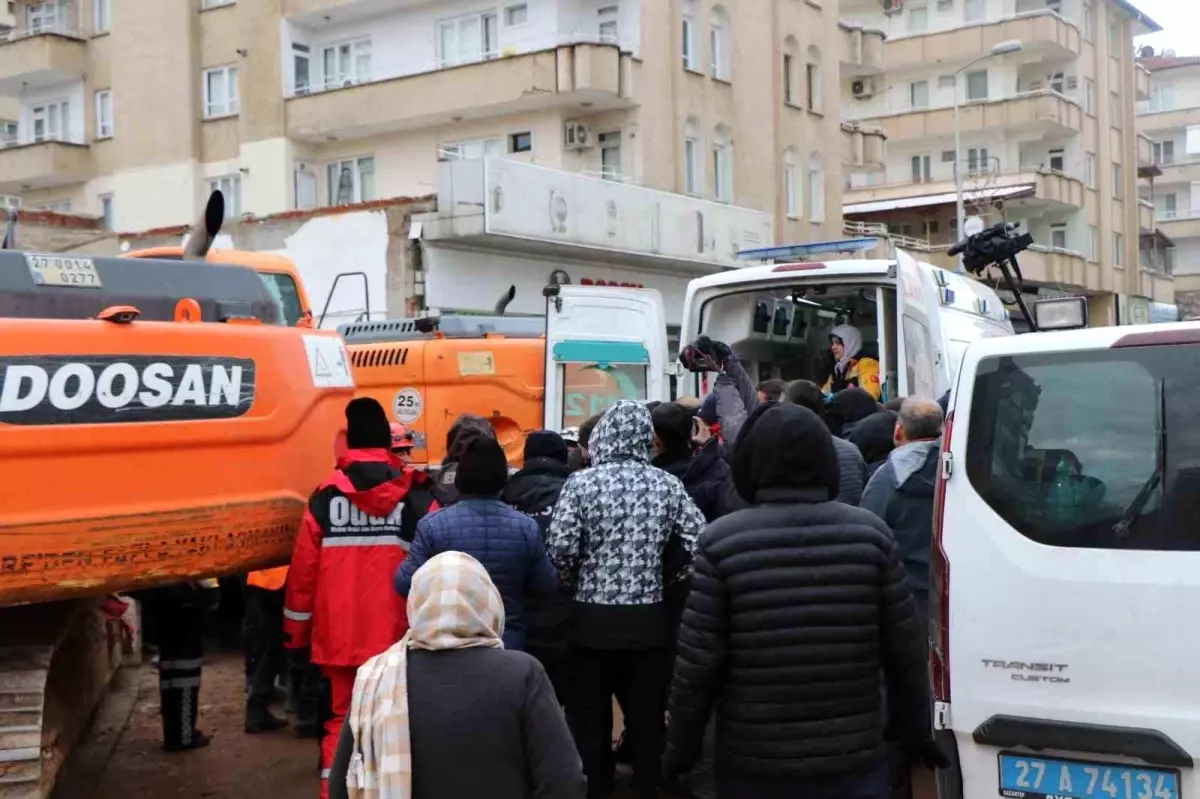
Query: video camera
x,y
998,244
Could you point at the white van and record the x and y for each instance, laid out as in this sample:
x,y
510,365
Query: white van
x,y
1065,579
916,320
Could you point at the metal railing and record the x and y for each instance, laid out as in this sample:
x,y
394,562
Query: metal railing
x,y
1176,215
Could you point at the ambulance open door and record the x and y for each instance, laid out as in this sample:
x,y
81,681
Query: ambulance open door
x,y
917,356
602,345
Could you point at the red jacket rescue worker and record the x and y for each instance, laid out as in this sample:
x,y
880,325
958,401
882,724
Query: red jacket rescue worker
x,y
356,533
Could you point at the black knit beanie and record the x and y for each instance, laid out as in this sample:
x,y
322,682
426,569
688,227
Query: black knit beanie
x,y
367,425
482,469
545,444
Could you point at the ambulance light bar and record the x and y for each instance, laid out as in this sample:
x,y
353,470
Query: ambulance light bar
x,y
798,252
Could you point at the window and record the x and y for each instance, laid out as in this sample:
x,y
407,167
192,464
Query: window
x,y
918,349
693,171
102,16
231,187
921,169
1162,97
104,114
1058,160
918,94
1114,39
305,187
1093,246
301,67
1166,206
42,17
1118,250
470,150
947,156
8,132
346,63
283,288
516,15
688,42
106,210
610,154
520,142
978,162
791,192
947,82
1118,181
1058,236
220,92
1089,22
609,33
1089,96
918,19
812,79
350,181
816,189
790,61
973,10
592,388
945,6
1090,449
465,40
1055,82
1089,170
1164,152
977,85
722,165
58,207
719,44
51,122
904,229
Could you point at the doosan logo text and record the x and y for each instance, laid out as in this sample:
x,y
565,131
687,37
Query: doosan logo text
x,y
68,389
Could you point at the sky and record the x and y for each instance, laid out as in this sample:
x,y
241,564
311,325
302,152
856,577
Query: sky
x,y
1180,20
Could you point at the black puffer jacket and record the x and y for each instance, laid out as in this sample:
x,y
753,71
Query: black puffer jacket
x,y
706,476
534,491
798,611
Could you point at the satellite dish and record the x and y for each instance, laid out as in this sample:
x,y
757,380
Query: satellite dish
x,y
1168,53
973,226
1146,52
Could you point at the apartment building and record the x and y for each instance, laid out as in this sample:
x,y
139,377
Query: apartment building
x,y
1046,92
133,110
1170,119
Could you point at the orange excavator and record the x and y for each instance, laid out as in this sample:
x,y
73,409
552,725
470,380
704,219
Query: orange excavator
x,y
159,421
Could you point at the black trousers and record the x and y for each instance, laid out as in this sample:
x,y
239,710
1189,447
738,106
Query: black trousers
x,y
262,633
639,677
871,783
180,656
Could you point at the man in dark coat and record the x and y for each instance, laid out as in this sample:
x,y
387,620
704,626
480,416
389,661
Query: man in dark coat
x,y
875,438
704,473
505,541
798,611
534,491
466,428
852,469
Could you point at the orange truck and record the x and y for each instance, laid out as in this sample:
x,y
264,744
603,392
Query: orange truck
x,y
159,422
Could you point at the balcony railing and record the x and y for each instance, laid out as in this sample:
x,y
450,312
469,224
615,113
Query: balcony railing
x,y
1176,215
901,107
392,68
22,138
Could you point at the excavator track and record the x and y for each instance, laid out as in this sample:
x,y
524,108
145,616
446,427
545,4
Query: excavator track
x,y
55,664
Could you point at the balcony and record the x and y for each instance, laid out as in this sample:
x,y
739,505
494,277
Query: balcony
x,y
1146,164
1141,82
1145,216
30,61
597,76
863,149
1165,119
1182,224
861,50
1043,32
1042,265
1184,171
43,165
1026,189
1046,113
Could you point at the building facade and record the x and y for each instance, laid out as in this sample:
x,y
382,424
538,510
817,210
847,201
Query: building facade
x,y
1170,119
1048,137
133,111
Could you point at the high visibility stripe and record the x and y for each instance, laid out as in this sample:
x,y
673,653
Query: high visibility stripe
x,y
180,682
180,665
324,773
295,615
365,541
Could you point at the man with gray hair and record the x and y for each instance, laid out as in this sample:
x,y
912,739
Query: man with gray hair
x,y
901,491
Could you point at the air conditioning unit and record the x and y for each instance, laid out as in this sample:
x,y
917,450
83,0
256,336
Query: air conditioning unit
x,y
862,88
893,6
577,136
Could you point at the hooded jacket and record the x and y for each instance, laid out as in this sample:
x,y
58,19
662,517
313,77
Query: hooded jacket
x,y
874,438
610,527
356,532
901,493
798,612
705,475
847,408
465,427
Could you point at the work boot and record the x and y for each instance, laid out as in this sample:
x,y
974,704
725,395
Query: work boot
x,y
261,719
199,741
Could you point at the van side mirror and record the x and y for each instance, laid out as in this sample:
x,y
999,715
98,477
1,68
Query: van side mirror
x,y
1067,313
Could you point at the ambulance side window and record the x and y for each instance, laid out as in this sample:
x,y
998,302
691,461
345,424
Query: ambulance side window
x,y
918,351
590,388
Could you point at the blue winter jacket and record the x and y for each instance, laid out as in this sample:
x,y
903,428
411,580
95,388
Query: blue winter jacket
x,y
508,544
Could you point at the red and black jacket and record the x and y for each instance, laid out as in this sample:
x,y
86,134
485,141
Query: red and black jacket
x,y
355,534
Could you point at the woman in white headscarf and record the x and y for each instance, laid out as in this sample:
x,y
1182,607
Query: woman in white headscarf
x,y
478,719
850,369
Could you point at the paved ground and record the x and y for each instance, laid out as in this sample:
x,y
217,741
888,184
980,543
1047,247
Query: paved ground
x,y
122,755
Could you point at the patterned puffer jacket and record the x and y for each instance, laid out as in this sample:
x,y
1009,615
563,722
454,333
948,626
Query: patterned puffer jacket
x,y
611,526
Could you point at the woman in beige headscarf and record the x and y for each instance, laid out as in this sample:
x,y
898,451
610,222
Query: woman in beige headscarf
x,y
480,719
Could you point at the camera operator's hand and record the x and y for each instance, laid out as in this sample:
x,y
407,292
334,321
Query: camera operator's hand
x,y
705,355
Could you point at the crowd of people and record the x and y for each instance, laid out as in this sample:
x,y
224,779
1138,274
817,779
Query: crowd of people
x,y
744,579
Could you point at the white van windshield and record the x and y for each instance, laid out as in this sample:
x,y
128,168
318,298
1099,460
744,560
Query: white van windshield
x,y
1090,449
